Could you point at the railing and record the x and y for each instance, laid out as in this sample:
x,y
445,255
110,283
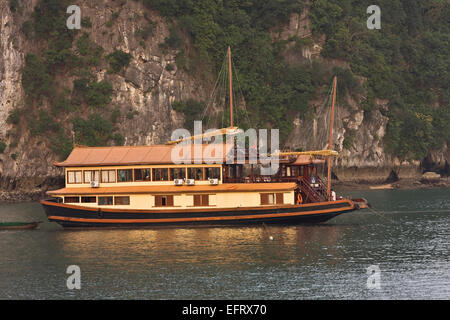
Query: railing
x,y
260,179
313,192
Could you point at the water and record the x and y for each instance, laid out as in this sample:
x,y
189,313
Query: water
x,y
409,242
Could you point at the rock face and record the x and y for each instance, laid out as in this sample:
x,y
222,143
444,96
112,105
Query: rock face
x,y
357,137
148,87
145,90
430,177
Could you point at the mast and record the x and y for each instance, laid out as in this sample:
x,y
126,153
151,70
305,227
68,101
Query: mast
x,y
231,130
231,87
331,138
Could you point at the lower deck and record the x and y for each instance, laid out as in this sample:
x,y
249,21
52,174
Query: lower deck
x,y
179,198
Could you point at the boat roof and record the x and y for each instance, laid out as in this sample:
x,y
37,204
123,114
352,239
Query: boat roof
x,y
228,187
303,160
82,156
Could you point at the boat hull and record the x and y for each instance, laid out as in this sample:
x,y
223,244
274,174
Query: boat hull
x,y
18,226
71,216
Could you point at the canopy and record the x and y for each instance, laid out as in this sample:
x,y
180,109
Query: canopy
x,y
82,156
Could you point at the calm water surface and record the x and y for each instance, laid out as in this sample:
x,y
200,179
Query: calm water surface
x,y
409,241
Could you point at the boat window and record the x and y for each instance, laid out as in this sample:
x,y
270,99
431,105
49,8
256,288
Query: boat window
x,y
212,173
124,175
87,176
105,201
141,174
271,198
91,175
108,176
164,201
230,172
279,198
74,177
195,173
160,174
288,172
71,199
89,199
177,173
123,200
201,200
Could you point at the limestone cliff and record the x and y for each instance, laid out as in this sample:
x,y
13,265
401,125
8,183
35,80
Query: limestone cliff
x,y
363,158
148,87
145,90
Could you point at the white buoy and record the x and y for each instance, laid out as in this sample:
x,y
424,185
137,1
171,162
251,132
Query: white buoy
x,y
271,238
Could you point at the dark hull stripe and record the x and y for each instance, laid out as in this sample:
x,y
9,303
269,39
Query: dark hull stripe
x,y
54,209
310,219
79,217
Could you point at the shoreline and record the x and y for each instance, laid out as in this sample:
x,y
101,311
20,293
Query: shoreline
x,y
403,184
17,196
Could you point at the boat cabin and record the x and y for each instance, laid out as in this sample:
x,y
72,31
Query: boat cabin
x,y
143,177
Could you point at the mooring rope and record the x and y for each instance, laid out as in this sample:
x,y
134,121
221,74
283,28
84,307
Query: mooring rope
x,y
423,211
380,214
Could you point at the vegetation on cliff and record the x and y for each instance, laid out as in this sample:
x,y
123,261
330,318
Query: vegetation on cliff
x,y
61,55
405,63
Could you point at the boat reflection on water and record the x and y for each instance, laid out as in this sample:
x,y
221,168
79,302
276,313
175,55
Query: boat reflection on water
x,y
216,247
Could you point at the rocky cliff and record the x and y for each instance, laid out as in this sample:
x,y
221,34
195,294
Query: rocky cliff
x,y
145,90
363,158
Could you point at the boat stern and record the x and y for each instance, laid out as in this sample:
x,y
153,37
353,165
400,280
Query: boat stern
x,y
361,203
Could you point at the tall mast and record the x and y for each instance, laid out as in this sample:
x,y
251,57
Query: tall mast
x,y
231,87
330,145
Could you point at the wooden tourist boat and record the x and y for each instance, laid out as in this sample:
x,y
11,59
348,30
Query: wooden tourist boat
x,y
141,186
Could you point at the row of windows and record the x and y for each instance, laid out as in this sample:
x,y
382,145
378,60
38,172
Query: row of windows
x,y
118,200
160,200
166,200
145,174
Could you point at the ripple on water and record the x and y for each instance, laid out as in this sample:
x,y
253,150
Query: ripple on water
x,y
327,261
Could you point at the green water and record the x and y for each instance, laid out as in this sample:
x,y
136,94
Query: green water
x,y
408,240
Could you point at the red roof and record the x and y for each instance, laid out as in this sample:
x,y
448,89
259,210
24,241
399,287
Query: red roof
x,y
305,160
82,156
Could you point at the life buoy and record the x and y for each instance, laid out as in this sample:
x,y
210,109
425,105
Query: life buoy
x,y
299,198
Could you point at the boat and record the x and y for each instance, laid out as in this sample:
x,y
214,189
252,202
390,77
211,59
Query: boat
x,y
382,187
142,186
18,225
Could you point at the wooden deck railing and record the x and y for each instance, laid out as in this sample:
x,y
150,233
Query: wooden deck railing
x,y
260,179
311,192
